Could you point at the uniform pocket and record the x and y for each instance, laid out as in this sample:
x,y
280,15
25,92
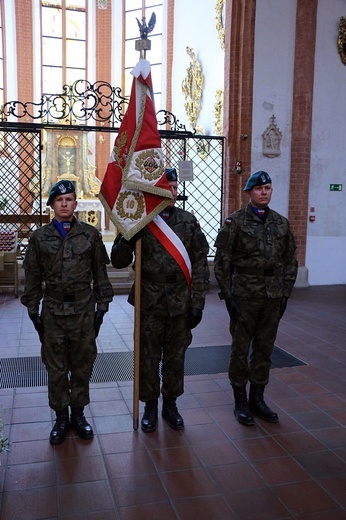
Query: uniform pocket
x,y
81,251
280,240
247,241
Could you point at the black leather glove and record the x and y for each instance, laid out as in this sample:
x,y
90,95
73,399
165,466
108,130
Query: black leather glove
x,y
195,316
38,324
283,305
136,237
233,309
98,320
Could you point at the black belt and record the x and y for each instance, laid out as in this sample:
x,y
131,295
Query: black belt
x,y
68,298
163,278
252,271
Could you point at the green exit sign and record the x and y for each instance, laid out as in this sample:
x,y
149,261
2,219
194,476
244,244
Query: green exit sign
x,y
335,187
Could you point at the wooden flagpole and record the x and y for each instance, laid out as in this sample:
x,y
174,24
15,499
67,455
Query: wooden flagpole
x,y
136,335
142,46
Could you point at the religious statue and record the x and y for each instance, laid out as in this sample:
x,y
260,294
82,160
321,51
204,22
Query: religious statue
x,y
68,160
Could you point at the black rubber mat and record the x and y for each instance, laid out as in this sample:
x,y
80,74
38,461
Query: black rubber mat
x,y
25,372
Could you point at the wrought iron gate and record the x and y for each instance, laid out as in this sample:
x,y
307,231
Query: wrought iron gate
x,y
203,195
20,181
80,105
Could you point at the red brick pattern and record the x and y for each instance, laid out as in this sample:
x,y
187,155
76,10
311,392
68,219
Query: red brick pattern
x,y
103,73
25,50
302,122
237,118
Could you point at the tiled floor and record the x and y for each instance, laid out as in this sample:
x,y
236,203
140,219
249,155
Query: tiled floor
x,y
215,468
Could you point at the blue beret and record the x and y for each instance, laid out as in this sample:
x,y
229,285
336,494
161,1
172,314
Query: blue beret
x,y
257,179
171,174
60,188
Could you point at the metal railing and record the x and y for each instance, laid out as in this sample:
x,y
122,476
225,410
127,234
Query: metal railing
x,y
99,107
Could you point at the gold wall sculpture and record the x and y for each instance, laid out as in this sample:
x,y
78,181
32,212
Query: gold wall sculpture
x,y
220,21
192,88
342,40
218,112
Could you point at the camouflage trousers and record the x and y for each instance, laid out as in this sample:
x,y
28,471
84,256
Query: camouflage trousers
x,y
256,327
68,352
163,338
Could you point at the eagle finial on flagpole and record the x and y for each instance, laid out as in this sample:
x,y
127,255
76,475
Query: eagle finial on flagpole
x,y
145,29
144,44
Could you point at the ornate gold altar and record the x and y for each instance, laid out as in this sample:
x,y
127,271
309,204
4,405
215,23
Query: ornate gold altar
x,y
66,156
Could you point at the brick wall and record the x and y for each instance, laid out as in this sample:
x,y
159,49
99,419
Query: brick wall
x,y
237,117
25,49
302,122
103,73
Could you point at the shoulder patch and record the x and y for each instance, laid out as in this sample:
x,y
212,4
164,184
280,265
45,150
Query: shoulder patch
x,y
228,221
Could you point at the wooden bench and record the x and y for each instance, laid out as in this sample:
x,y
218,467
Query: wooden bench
x,y
14,229
8,260
23,223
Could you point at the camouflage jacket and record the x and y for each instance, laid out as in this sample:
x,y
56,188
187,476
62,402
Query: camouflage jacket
x,y
255,259
74,266
160,294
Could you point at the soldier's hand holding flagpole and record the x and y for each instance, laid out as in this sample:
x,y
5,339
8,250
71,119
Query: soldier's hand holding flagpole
x,y
135,189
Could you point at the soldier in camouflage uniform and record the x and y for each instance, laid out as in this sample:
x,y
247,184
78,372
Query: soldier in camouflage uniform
x,y
255,267
69,257
169,308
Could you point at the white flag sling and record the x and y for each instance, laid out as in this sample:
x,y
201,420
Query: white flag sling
x,y
173,244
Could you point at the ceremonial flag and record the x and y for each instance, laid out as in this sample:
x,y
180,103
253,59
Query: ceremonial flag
x,y
135,188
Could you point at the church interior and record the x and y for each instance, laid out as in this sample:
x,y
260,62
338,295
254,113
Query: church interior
x,y
239,86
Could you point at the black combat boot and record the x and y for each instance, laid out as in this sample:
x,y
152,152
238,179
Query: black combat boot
x,y
171,415
80,425
60,428
258,406
149,419
241,406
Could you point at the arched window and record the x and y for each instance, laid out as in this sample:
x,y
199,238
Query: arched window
x,y
64,43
